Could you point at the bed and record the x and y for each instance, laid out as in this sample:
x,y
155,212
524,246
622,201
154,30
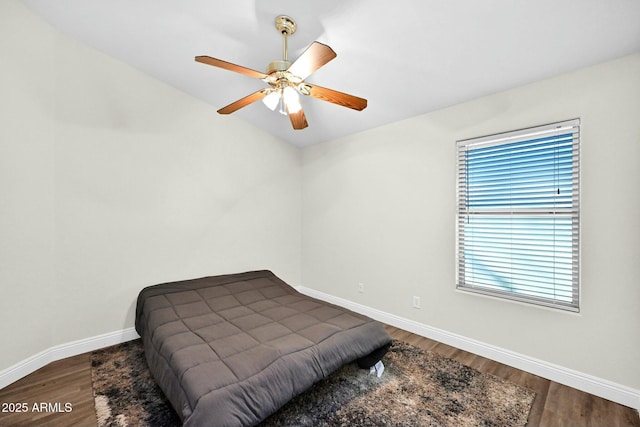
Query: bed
x,y
231,350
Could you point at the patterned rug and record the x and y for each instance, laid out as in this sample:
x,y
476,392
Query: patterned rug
x,y
418,388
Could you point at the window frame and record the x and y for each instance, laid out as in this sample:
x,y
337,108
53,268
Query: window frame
x,y
465,213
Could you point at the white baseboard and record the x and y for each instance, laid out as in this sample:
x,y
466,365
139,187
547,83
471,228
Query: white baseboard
x,y
33,363
597,386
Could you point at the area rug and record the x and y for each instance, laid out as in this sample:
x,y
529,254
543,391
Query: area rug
x,y
417,388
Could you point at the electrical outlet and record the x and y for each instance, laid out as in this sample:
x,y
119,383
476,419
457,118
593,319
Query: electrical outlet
x,y
416,302
361,288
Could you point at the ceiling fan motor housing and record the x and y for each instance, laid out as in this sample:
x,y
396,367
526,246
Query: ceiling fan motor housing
x,y
278,65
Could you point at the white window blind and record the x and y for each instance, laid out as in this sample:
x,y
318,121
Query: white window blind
x,y
518,215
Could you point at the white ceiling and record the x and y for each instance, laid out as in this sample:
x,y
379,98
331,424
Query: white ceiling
x,y
407,57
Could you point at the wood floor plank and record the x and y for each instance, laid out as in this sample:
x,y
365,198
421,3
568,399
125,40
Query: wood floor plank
x,y
568,406
69,381
59,394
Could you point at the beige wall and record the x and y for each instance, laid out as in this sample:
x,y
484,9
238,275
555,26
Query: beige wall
x,y
26,184
112,181
379,208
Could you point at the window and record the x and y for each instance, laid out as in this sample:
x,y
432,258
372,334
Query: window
x,y
518,215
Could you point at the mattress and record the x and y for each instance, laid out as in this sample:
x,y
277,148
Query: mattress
x,y
231,350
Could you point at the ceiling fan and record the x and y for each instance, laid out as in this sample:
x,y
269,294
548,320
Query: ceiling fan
x,y
287,80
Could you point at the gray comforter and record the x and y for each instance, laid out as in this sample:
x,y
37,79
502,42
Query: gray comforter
x,y
231,350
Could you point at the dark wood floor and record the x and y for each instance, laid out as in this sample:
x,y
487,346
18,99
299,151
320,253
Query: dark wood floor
x,y
69,381
64,381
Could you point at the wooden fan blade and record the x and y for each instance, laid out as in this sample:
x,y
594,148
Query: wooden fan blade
x,y
243,102
336,97
313,58
298,120
231,67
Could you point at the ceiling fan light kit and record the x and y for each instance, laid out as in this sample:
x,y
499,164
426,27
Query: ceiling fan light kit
x,y
287,80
